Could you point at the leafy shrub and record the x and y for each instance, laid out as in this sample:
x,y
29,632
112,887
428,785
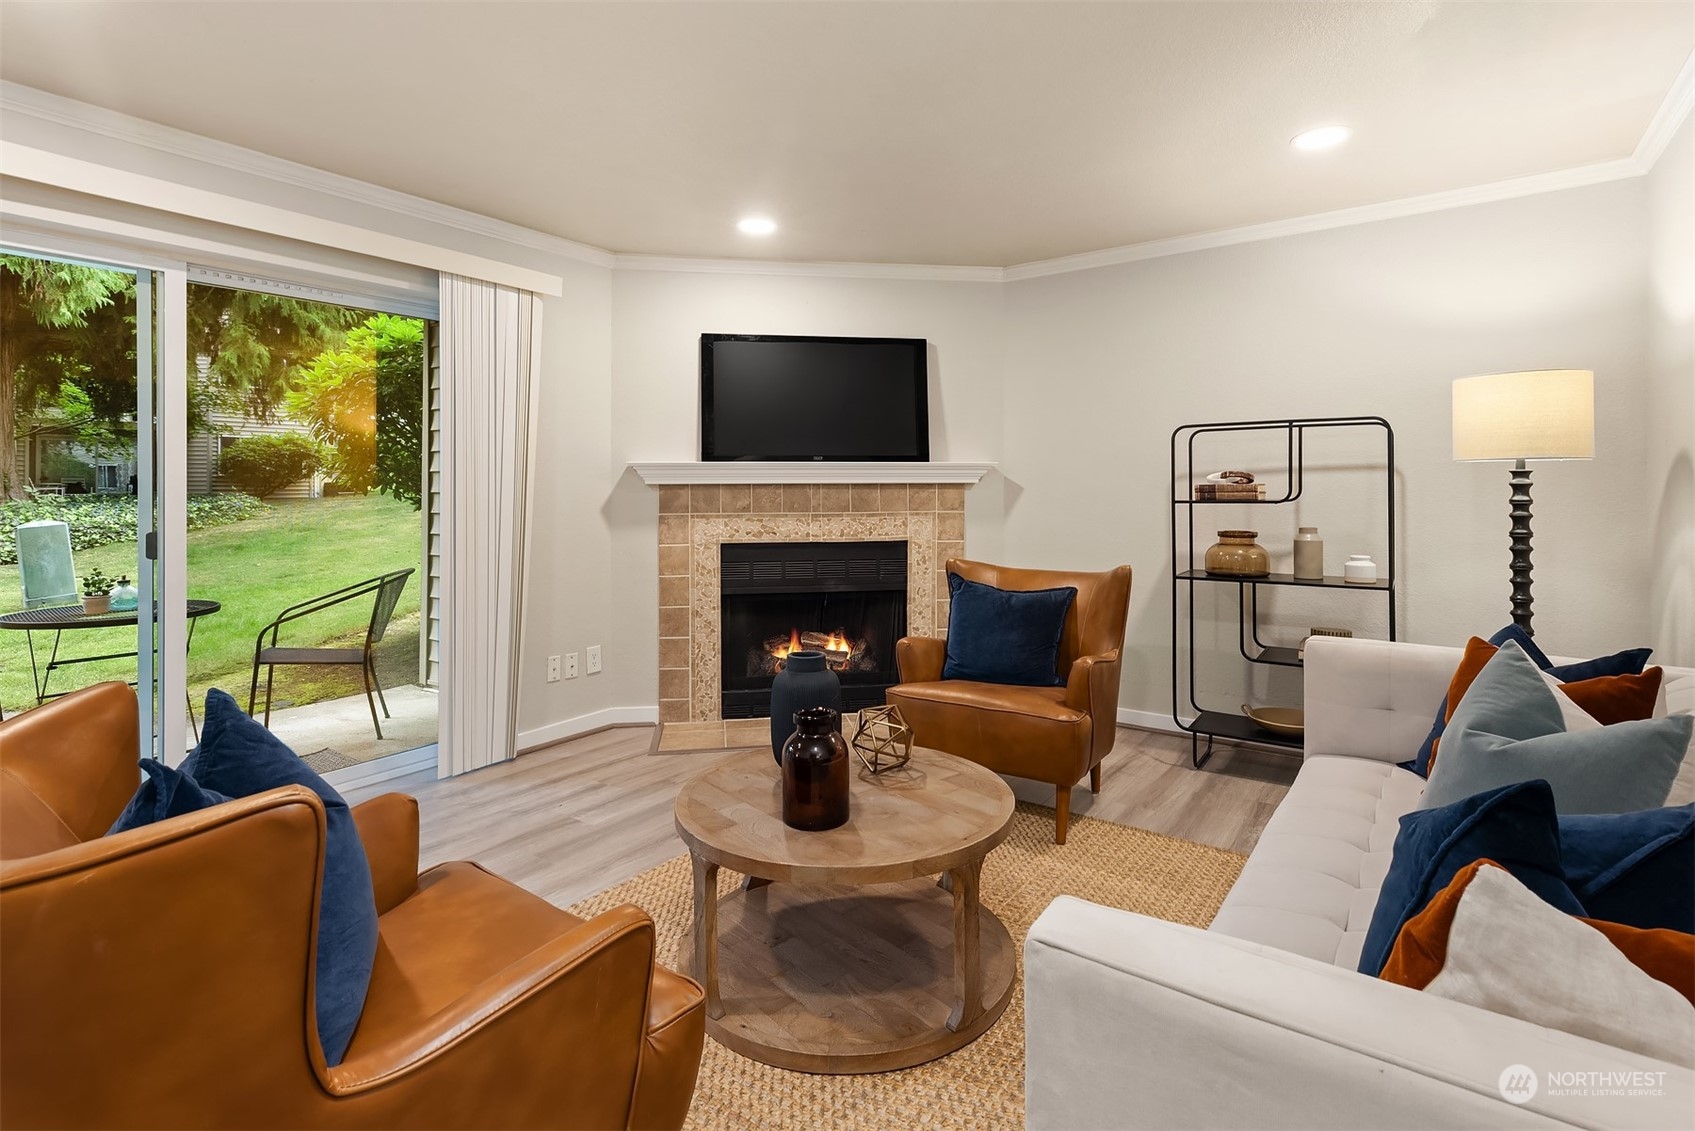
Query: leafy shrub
x,y
365,402
221,510
264,465
98,520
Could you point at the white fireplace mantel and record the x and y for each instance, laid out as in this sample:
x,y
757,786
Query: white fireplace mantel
x,y
763,471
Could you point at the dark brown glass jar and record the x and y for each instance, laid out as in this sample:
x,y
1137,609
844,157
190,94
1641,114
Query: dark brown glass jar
x,y
815,772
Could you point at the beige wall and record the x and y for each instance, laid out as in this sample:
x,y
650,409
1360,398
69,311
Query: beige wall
x,y
657,320
1072,383
1376,319
1669,482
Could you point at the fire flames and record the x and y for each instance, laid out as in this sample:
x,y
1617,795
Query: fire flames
x,y
841,652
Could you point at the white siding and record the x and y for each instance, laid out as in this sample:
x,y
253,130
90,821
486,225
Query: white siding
x,y
203,448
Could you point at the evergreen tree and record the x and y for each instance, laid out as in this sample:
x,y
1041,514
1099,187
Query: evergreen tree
x,y
61,324
64,324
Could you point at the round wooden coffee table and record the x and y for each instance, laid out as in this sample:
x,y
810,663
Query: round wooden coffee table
x,y
811,967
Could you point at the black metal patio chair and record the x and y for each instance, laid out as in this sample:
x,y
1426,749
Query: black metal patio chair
x,y
386,587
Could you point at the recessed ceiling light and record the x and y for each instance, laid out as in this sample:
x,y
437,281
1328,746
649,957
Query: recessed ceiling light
x,y
756,225
1324,137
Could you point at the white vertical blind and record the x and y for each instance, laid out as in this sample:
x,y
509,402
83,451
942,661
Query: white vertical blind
x,y
490,351
430,638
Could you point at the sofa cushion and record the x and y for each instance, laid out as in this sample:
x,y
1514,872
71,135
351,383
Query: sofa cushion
x,y
1005,635
1633,868
164,792
1509,728
1610,699
1471,662
238,757
1514,825
1046,703
1311,883
1478,652
1421,949
1489,941
28,824
1585,703
414,977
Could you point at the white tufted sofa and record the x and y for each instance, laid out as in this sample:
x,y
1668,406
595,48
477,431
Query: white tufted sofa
x,y
1263,1021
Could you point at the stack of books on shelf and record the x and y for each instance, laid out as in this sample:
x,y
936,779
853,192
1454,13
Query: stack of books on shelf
x,y
1220,492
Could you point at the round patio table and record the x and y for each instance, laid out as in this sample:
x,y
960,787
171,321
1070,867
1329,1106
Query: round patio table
x,y
66,618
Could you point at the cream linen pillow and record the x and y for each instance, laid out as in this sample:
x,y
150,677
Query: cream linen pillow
x,y
1509,952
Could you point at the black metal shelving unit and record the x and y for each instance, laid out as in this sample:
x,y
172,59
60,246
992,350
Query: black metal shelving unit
x,y
1187,574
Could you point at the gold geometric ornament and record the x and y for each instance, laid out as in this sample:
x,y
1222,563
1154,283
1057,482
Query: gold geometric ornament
x,y
883,740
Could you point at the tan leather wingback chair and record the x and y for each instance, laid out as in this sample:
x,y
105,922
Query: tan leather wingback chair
x,y
162,977
1049,734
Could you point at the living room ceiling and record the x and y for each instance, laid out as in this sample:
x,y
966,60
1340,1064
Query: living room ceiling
x,y
948,133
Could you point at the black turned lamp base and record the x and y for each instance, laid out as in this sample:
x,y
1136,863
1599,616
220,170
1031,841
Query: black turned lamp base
x,y
1519,478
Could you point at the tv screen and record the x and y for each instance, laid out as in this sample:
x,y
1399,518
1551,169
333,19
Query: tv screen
x,y
775,397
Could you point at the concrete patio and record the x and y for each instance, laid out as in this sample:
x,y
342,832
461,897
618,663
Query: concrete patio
x,y
344,725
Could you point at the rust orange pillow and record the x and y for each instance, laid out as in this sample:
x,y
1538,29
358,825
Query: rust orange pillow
x,y
1421,948
1608,699
1613,699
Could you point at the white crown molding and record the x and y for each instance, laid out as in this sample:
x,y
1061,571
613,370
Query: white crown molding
x,y
771,471
1533,185
17,99
1666,120
810,269
1673,109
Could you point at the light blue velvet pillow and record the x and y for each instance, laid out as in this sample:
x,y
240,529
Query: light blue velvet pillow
x,y
1508,729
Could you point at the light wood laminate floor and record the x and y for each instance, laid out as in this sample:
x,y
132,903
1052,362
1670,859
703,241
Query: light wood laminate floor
x,y
576,818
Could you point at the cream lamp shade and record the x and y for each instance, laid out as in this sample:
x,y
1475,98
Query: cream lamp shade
x,y
1543,414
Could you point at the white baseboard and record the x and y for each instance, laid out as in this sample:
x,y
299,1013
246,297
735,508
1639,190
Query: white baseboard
x,y
1148,720
529,740
383,769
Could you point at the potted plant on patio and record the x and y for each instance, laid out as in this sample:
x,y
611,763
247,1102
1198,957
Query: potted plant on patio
x,y
96,593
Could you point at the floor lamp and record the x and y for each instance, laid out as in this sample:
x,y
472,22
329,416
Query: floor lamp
x,y
1545,414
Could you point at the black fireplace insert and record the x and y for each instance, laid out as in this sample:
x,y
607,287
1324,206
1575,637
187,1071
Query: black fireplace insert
x,y
845,599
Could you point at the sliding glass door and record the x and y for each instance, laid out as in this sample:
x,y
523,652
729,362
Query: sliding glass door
x,y
243,473
305,486
84,486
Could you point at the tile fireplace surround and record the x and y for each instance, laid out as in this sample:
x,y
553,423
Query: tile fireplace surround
x,y
695,520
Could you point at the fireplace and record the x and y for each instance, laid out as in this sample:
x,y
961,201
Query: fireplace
x,y
845,599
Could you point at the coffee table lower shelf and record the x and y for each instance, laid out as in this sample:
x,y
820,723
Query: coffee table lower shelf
x,y
837,979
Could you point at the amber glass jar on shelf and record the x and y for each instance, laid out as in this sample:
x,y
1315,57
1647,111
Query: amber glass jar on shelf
x,y
1236,554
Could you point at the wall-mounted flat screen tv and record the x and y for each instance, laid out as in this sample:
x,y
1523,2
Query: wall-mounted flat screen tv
x,y
779,397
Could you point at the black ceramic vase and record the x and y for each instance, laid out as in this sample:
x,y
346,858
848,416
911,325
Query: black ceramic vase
x,y
805,681
815,771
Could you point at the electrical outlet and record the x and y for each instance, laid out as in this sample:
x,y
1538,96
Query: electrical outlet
x,y
571,665
594,659
553,669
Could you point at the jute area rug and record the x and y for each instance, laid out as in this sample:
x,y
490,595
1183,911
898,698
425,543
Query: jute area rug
x,y
982,1085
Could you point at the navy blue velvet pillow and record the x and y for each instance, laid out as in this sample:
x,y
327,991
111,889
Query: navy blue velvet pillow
x,y
1515,826
164,792
1629,662
1005,635
1633,868
239,757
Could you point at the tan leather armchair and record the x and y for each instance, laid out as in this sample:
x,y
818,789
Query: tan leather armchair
x,y
163,977
1049,734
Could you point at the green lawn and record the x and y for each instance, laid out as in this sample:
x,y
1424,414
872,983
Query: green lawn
x,y
255,569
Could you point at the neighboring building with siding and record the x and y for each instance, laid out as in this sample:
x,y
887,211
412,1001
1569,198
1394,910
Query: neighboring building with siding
x,y
223,429
50,459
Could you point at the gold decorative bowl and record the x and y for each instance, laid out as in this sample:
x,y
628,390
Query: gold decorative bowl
x,y
1290,721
